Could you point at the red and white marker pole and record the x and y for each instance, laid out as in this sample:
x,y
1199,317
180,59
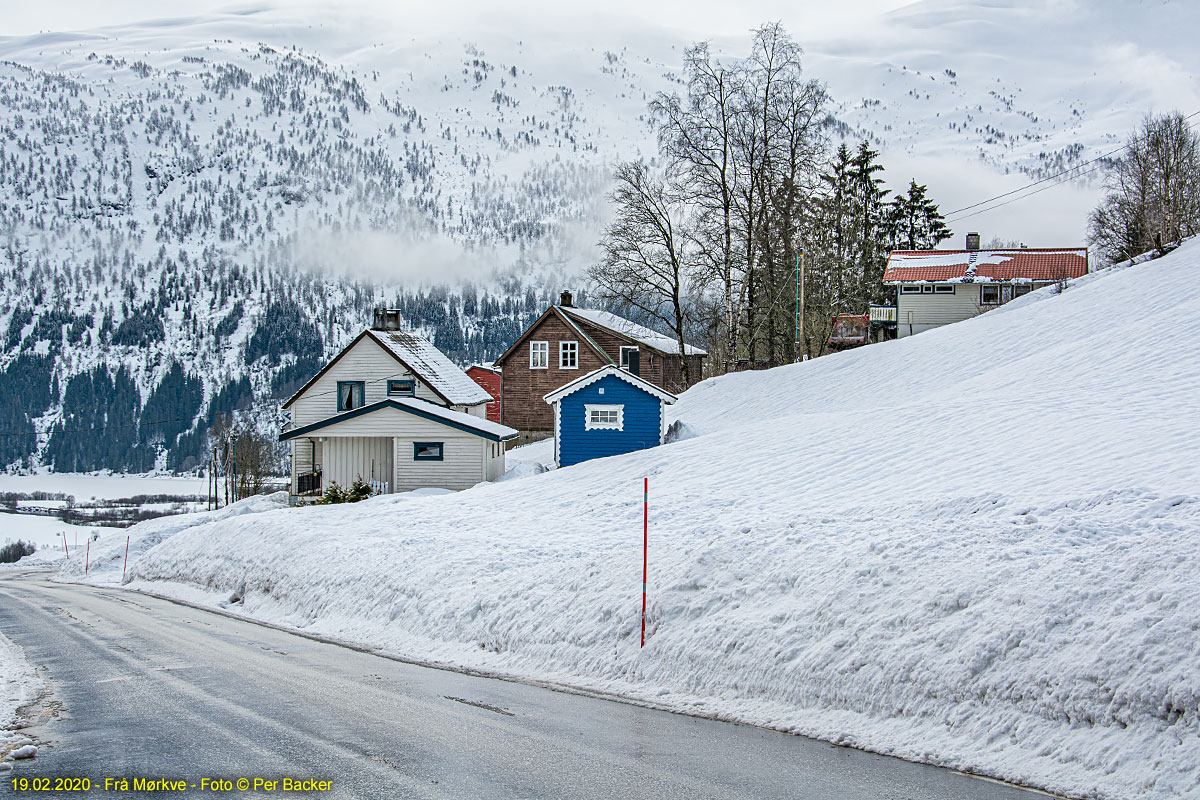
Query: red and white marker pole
x,y
66,549
126,564
87,558
645,548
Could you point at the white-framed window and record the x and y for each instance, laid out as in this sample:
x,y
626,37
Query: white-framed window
x,y
1020,289
989,295
626,352
910,289
568,355
539,355
603,418
943,288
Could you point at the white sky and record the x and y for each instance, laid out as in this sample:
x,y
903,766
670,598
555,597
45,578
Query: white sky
x,y
704,19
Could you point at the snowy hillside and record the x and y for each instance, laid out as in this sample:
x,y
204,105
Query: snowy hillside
x,y
974,547
195,211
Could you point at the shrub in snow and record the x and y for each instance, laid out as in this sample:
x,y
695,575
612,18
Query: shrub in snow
x,y
13,552
359,490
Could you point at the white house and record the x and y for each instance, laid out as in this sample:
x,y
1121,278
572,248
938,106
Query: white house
x,y
393,410
937,287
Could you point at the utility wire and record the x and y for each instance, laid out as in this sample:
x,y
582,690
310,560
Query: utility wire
x,y
1066,172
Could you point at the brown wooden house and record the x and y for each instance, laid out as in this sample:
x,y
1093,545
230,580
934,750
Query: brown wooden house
x,y
566,342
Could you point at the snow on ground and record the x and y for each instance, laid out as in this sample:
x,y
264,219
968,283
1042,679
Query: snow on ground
x,y
106,559
976,547
101,486
46,533
19,685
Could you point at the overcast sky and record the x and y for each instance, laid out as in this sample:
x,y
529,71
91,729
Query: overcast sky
x,y
703,18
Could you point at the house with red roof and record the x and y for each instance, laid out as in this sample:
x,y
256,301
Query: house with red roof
x,y
937,287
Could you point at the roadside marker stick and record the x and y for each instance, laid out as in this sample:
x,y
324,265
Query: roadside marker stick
x,y
645,548
126,564
66,549
87,558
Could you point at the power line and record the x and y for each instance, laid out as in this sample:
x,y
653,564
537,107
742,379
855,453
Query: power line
x,y
1066,172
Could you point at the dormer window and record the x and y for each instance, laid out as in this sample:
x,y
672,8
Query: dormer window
x,y
350,395
402,388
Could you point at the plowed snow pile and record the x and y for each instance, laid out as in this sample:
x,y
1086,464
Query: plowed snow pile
x,y
977,547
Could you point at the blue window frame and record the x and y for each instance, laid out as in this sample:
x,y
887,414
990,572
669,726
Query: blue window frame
x,y
350,395
427,451
401,388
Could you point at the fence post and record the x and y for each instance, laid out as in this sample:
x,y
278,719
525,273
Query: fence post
x,y
87,557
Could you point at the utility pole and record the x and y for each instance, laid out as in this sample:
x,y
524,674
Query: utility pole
x,y
800,306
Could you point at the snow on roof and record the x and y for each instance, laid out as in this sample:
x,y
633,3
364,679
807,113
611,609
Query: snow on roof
x,y
631,330
616,372
996,265
433,367
456,418
422,408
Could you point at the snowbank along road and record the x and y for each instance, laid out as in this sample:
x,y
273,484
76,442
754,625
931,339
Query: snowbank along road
x,y
157,690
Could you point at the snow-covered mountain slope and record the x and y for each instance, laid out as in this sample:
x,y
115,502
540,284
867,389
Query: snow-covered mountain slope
x,y
195,211
974,547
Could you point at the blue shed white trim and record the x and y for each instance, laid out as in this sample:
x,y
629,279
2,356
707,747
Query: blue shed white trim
x,y
607,412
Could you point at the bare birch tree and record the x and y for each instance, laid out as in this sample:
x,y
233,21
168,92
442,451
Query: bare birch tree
x,y
649,257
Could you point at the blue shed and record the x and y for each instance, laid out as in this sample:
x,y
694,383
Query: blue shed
x,y
605,413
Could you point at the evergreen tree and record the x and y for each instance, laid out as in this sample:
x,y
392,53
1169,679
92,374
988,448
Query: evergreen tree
x,y
914,222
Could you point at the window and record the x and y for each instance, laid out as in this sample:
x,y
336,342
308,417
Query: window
x,y
349,395
1006,294
628,353
427,451
927,289
943,288
402,388
906,289
989,295
603,418
539,355
1020,289
568,355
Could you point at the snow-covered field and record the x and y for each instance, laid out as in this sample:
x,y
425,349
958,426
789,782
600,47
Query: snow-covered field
x,y
46,533
100,486
976,547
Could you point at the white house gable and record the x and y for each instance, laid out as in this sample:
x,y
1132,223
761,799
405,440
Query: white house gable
x,y
366,363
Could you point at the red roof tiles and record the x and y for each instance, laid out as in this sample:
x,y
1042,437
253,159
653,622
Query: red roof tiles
x,y
985,265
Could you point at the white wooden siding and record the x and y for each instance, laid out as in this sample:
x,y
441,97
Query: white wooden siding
x,y
462,465
347,450
367,362
493,460
920,312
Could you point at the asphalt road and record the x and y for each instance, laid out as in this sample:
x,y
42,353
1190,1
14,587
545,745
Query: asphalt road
x,y
154,689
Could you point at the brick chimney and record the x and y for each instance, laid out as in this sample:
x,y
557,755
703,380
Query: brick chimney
x,y
565,299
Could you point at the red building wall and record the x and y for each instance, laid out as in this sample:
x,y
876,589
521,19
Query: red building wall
x,y
490,381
